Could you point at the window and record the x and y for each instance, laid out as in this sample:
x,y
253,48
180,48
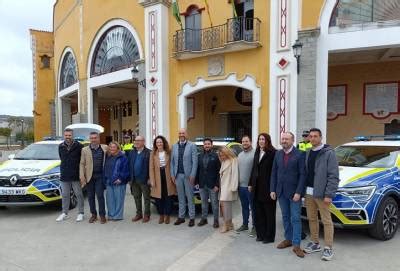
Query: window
x,y
116,50
68,75
367,156
45,60
193,29
129,109
358,12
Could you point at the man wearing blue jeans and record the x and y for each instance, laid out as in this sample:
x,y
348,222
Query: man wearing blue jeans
x,y
287,185
183,174
208,181
245,162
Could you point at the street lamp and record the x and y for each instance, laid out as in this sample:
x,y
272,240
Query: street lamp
x,y
135,72
22,133
297,47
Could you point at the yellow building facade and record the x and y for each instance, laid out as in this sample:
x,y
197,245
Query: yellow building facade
x,y
42,45
228,69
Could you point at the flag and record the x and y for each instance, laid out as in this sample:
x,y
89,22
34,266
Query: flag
x,y
208,11
176,13
234,8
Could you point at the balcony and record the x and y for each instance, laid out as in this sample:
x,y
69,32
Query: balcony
x,y
237,34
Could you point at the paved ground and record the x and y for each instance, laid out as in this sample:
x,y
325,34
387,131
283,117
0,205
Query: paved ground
x,y
31,240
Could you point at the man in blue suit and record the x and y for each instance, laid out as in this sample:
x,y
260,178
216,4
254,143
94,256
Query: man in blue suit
x,y
183,174
287,185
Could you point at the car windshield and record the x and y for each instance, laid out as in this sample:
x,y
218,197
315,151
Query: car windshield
x,y
38,152
367,156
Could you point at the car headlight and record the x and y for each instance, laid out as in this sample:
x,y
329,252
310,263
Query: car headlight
x,y
361,193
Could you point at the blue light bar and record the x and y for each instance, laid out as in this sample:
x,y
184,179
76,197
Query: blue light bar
x,y
228,139
371,137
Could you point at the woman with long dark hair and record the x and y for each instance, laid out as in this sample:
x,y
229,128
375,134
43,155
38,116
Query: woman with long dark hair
x,y
265,206
162,187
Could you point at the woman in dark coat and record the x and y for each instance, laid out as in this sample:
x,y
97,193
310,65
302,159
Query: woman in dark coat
x,y
265,207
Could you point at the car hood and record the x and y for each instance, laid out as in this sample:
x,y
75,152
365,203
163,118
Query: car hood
x,y
27,168
359,176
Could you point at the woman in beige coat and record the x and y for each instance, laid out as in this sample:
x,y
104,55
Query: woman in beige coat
x,y
162,187
229,178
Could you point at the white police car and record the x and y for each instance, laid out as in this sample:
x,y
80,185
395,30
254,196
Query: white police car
x,y
369,190
32,176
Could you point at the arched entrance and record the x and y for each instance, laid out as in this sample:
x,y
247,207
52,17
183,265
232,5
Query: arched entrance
x,y
67,91
113,96
224,107
356,72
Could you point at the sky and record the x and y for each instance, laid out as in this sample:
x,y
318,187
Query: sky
x,y
16,18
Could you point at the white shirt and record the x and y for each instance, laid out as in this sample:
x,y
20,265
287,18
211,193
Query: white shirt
x,y
161,156
288,151
261,155
318,148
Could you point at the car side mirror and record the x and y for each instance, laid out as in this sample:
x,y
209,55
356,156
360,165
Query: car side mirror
x,y
11,156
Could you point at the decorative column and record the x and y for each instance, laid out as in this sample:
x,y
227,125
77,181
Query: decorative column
x,y
156,63
283,68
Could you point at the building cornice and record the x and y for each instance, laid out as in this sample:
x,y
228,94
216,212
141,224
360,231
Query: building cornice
x,y
148,3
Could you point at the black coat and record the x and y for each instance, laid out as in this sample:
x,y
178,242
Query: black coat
x,y
70,159
260,179
210,175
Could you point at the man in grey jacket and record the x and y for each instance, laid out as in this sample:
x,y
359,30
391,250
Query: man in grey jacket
x,y
183,173
322,179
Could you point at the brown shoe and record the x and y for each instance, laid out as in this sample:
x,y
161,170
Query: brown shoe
x,y
179,221
93,219
167,219
103,220
284,244
146,218
161,220
137,218
298,251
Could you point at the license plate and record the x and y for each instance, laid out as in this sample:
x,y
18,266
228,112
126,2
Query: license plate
x,y
12,191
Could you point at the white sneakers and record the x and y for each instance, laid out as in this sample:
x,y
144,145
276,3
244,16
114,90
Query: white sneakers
x,y
64,216
79,218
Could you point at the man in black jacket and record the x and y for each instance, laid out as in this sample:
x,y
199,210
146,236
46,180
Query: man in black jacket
x,y
208,181
70,156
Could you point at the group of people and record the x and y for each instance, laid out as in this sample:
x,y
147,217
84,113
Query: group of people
x,y
260,177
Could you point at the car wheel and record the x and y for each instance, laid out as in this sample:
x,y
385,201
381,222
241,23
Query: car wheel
x,y
73,201
387,220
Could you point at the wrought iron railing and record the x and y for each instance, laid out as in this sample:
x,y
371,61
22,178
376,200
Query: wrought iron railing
x,y
363,12
235,29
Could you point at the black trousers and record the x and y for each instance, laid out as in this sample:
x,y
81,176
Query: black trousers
x,y
96,188
265,220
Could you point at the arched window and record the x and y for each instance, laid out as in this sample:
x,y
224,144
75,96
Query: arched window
x,y
357,12
117,49
68,75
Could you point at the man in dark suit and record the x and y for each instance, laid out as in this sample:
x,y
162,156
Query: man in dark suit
x,y
208,181
287,185
138,160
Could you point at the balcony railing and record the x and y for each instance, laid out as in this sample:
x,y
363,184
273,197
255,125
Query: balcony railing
x,y
236,34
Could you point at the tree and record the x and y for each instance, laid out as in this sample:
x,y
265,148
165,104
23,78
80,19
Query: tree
x,y
6,132
27,136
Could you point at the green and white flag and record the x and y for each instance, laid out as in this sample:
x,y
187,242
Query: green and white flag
x,y
176,13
